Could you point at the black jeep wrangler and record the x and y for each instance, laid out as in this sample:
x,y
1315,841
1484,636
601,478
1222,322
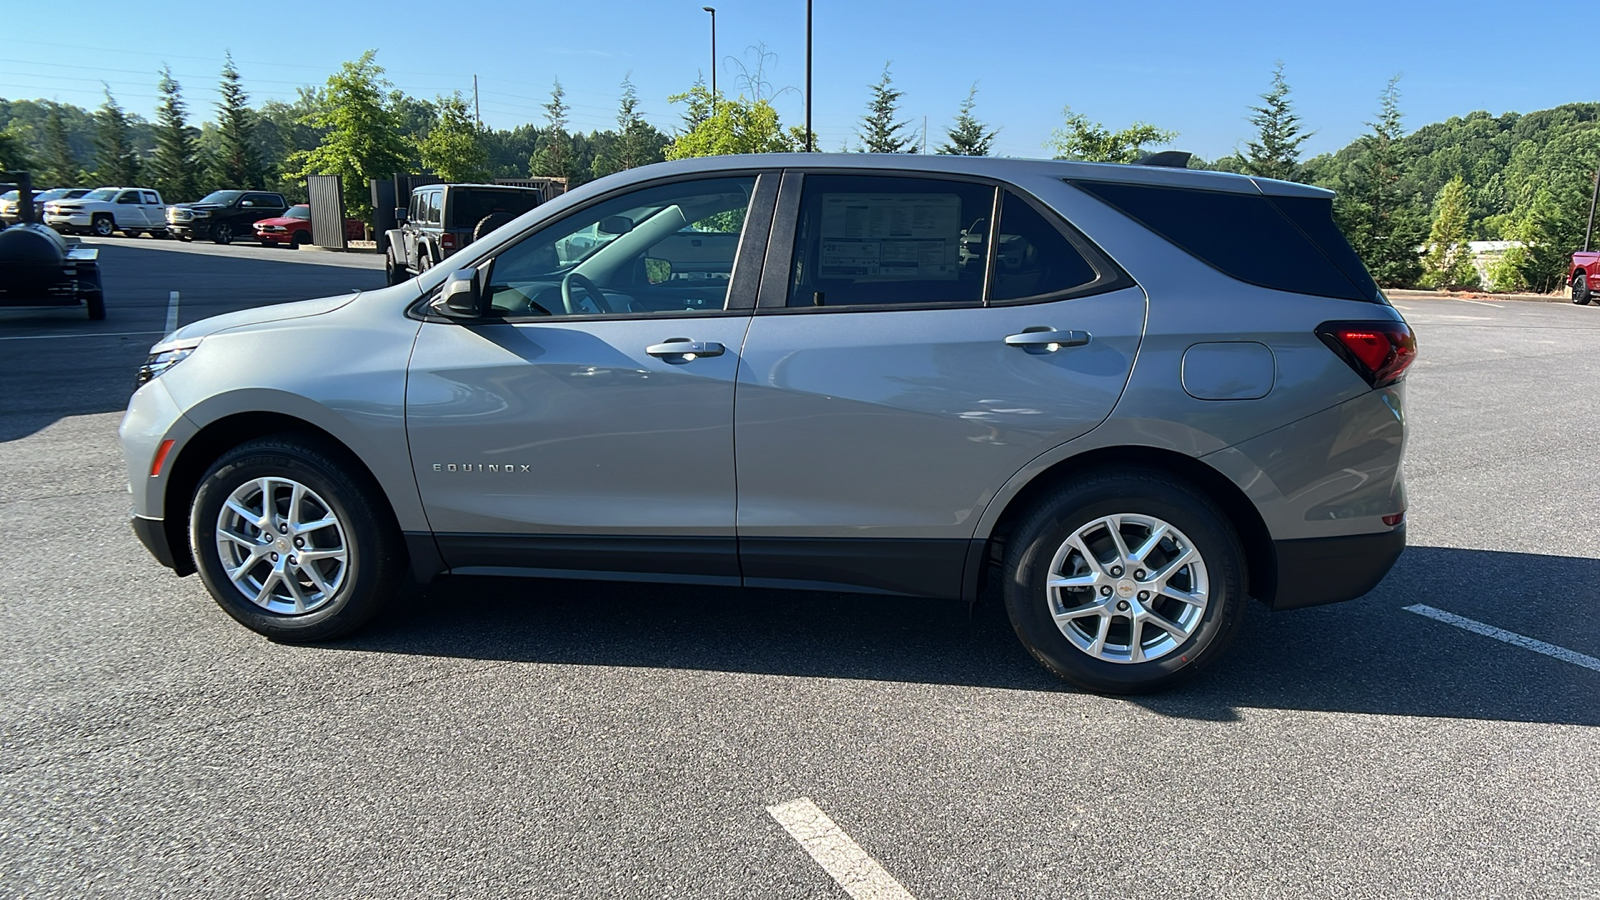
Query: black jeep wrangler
x,y
224,215
443,218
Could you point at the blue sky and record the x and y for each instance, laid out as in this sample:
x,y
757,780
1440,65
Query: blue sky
x,y
1193,68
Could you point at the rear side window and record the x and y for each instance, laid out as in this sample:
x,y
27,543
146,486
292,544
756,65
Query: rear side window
x,y
433,207
875,240
1033,257
1249,236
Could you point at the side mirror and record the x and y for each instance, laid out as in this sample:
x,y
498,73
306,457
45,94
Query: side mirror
x,y
657,271
461,297
400,215
616,225
247,203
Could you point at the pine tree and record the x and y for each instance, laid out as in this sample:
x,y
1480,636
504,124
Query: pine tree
x,y
967,137
634,145
116,162
172,169
59,166
553,159
453,147
1376,203
236,164
1277,152
1449,260
13,150
879,131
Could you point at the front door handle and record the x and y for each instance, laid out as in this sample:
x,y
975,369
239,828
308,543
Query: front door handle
x,y
684,350
1042,339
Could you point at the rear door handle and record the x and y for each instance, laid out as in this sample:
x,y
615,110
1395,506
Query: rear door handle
x,y
684,350
1041,339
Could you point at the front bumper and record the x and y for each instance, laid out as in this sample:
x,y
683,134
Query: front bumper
x,y
81,220
1314,571
275,237
190,229
152,533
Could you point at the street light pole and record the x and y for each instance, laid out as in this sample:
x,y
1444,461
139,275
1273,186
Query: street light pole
x,y
713,11
810,140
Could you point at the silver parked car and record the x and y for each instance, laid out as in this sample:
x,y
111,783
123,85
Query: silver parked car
x,y
1128,396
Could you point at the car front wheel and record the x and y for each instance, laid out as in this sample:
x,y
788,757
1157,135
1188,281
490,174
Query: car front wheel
x,y
1125,582
1580,290
293,541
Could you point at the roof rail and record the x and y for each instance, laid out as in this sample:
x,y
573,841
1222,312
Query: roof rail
x,y
1172,159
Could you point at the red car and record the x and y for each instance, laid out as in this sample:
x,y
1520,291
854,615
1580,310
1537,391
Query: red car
x,y
293,228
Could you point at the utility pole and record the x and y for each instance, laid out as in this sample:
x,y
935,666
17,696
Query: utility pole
x,y
476,113
713,11
811,146
1589,230
924,135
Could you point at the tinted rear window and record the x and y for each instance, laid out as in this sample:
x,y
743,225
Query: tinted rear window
x,y
467,208
1283,243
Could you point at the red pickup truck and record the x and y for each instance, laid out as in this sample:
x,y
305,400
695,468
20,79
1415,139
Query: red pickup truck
x,y
1583,272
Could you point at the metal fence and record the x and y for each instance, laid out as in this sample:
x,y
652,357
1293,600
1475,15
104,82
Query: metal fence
x,y
326,193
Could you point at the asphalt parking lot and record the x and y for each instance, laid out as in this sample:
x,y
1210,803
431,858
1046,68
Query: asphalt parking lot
x,y
566,739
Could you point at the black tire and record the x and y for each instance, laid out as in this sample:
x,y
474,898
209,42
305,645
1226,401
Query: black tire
x,y
95,302
1047,527
300,239
267,244
490,222
375,562
102,226
222,233
1580,290
424,260
393,273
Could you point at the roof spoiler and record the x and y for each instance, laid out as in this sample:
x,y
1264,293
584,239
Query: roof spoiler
x,y
1171,159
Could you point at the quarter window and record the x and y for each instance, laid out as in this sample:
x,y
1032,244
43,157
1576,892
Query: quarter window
x,y
870,240
662,250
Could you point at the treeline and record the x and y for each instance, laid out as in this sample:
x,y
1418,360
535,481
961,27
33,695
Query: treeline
x,y
1410,202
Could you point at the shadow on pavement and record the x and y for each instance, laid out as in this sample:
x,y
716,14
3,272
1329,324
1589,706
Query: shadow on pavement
x,y
1368,656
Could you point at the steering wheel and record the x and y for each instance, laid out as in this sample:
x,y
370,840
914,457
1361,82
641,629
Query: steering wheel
x,y
589,288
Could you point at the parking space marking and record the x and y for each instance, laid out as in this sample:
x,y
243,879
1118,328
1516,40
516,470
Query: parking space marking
x,y
48,337
842,858
172,312
1510,637
1479,302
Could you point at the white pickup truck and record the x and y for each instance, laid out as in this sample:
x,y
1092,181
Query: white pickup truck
x,y
102,211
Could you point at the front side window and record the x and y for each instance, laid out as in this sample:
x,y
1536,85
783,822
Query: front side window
x,y
129,197
299,212
662,250
873,240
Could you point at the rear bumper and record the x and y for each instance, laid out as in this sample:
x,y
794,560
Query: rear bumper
x,y
1314,571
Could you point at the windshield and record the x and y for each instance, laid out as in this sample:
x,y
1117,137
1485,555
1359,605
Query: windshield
x,y
221,198
8,195
298,212
52,194
101,194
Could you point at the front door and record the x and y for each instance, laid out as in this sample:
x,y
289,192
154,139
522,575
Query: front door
x,y
588,426
909,365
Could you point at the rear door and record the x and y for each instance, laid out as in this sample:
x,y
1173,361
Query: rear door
x,y
902,365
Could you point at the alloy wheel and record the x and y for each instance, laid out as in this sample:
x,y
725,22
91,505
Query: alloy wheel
x,y
282,546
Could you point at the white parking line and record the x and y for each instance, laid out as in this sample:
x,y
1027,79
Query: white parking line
x,y
842,858
1479,302
92,334
172,312
1510,637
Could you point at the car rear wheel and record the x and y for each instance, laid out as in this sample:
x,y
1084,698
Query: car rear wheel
x,y
293,541
1125,582
392,272
1580,290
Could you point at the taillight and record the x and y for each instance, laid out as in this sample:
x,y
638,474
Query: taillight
x,y
447,241
1380,352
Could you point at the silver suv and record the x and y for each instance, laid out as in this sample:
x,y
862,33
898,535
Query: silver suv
x,y
1167,391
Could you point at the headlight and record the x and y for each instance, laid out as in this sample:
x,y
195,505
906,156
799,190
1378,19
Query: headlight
x,y
199,213
162,361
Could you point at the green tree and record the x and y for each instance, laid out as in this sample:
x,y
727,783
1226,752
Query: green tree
x,y
1276,151
58,167
1449,260
172,168
879,131
1377,205
737,126
116,161
361,139
637,143
553,158
1082,139
236,162
968,137
13,151
453,148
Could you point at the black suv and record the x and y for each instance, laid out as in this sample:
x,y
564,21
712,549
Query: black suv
x,y
443,218
224,215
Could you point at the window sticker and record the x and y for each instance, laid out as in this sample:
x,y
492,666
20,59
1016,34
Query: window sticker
x,y
891,237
